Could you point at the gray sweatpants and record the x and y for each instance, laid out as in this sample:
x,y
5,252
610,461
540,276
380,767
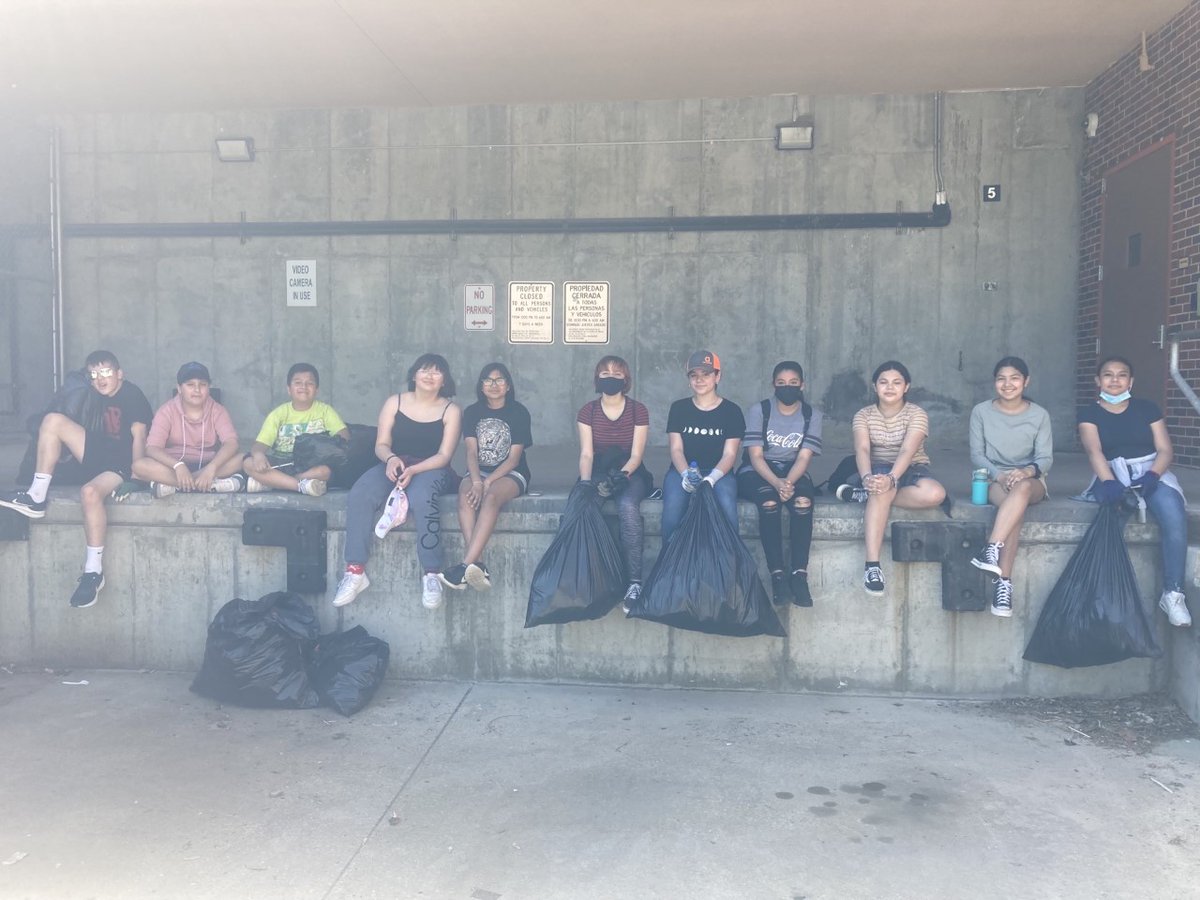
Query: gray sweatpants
x,y
365,504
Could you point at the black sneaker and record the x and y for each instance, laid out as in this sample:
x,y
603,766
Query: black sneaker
x,y
988,558
478,577
454,577
849,494
873,582
20,501
800,593
1002,597
90,585
780,589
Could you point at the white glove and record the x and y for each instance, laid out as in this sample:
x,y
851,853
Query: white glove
x,y
714,476
687,483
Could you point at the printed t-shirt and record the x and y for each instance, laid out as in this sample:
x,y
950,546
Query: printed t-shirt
x,y
613,434
887,434
496,430
195,443
1125,434
705,432
118,414
784,437
285,422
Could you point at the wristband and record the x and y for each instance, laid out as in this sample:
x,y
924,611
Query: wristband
x,y
178,464
390,458
893,477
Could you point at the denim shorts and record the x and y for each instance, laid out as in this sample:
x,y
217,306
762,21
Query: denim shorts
x,y
912,475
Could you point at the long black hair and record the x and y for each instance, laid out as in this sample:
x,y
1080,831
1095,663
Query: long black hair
x,y
891,365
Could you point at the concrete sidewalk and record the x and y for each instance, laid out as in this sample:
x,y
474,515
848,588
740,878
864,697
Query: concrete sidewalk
x,y
130,786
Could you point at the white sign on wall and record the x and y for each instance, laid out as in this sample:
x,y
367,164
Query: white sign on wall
x,y
479,307
585,312
301,287
531,312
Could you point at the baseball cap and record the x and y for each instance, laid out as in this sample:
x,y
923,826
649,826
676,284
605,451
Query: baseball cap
x,y
190,370
704,359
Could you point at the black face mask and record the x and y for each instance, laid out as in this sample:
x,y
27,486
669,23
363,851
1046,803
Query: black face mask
x,y
610,386
787,394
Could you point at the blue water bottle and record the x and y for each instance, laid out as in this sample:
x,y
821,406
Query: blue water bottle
x,y
693,474
979,487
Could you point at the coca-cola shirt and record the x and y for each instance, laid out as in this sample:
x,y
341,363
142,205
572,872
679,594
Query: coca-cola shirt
x,y
785,436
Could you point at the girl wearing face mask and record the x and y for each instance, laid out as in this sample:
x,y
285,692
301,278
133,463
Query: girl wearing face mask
x,y
889,447
783,434
612,441
1127,444
1010,437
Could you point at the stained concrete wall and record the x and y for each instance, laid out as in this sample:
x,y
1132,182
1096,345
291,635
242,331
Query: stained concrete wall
x,y
839,301
172,564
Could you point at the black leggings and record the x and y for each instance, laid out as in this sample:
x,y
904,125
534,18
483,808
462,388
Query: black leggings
x,y
752,487
629,503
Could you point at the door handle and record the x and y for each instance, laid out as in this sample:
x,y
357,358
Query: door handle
x,y
1162,338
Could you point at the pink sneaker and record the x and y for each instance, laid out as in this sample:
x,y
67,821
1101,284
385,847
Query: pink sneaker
x,y
395,511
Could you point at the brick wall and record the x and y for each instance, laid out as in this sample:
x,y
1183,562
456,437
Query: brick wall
x,y
1137,110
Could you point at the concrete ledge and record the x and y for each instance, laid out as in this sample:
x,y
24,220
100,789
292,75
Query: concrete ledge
x,y
171,564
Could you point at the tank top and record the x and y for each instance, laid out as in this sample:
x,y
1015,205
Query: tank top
x,y
417,440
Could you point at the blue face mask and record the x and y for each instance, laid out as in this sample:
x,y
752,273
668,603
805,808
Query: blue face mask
x,y
1115,398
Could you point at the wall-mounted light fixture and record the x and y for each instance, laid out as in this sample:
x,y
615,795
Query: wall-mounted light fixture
x,y
235,149
795,135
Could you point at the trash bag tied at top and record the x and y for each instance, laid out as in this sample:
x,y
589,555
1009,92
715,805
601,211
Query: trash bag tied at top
x,y
706,579
1094,614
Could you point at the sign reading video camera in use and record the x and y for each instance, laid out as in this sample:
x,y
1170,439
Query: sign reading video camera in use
x,y
585,312
479,307
531,312
301,287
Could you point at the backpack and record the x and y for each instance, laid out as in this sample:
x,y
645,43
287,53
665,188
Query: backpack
x,y
842,473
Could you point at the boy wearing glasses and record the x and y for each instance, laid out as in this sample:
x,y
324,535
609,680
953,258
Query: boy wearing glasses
x,y
110,435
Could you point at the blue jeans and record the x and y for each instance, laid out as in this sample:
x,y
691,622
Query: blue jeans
x,y
675,501
1168,509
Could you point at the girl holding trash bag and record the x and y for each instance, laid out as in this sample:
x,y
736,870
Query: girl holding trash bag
x,y
497,432
415,439
1127,444
889,448
1011,439
783,434
705,429
612,441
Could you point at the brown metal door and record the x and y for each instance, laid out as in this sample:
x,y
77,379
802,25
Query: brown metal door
x,y
1135,255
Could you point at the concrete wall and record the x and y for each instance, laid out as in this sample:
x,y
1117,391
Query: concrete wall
x,y
839,301
172,564
26,367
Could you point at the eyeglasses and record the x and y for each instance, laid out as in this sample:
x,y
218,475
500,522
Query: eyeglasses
x,y
102,373
495,382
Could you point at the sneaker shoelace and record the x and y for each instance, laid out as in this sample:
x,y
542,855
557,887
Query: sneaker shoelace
x,y
1003,593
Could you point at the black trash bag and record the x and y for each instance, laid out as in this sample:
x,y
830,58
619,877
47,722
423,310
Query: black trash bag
x,y
258,652
347,668
320,450
1094,614
360,457
706,580
581,576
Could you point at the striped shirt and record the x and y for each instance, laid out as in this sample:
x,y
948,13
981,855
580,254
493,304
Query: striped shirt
x,y
607,433
887,434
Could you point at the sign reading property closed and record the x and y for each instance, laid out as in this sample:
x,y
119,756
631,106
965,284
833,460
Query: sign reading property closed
x,y
531,312
585,312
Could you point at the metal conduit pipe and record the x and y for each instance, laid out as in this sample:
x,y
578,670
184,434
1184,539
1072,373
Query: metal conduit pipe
x,y
938,217
1176,335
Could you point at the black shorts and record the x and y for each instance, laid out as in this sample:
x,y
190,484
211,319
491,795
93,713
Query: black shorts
x,y
103,454
753,487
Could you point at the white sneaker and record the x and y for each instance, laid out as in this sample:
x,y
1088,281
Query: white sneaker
x,y
254,486
431,591
158,490
1174,604
395,511
230,485
312,487
350,587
